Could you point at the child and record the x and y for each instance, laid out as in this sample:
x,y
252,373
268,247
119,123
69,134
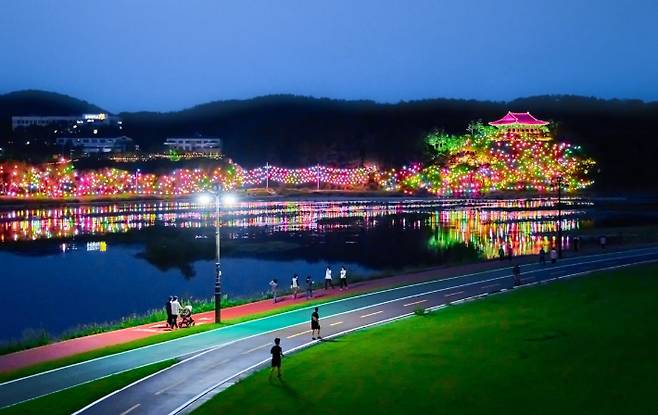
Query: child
x,y
315,324
277,354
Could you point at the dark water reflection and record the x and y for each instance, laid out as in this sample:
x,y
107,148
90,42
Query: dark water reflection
x,y
113,259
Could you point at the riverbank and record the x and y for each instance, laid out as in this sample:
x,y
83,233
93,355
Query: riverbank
x,y
13,362
64,350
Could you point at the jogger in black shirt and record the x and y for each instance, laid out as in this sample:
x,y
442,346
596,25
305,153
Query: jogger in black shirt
x,y
277,354
315,324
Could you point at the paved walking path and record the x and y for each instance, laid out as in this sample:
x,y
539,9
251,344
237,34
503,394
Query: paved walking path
x,y
214,358
53,351
29,357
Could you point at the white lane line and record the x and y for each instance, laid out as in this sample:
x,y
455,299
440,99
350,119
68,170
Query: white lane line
x,y
372,314
336,323
254,349
455,293
414,303
132,408
292,336
161,391
490,286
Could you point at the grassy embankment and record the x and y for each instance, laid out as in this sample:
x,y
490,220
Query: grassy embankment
x,y
72,399
36,338
158,338
578,346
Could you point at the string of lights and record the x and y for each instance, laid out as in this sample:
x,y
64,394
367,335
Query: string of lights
x,y
487,159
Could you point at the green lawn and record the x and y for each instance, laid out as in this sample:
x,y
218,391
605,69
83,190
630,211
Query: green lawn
x,y
70,400
585,346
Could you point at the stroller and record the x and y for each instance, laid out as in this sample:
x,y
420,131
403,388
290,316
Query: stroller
x,y
186,317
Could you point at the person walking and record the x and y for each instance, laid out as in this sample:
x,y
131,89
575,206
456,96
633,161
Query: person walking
x,y
501,253
175,311
553,255
509,252
576,243
516,273
273,286
294,286
343,278
168,310
603,241
542,256
277,353
327,279
315,324
309,287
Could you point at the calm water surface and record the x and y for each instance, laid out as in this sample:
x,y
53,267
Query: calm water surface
x,y
69,265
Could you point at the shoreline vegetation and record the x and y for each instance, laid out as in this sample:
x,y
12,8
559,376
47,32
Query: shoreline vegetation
x,y
157,338
39,337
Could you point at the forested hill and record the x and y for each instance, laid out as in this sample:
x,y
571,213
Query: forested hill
x,y
35,102
297,131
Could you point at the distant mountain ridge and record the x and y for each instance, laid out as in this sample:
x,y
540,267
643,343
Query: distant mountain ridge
x,y
36,102
298,131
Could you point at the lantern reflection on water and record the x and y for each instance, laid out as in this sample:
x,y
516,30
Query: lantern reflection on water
x,y
525,225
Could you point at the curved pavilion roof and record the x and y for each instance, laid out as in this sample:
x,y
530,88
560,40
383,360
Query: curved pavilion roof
x,y
518,118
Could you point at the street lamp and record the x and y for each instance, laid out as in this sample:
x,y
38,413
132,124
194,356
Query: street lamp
x,y
227,199
559,217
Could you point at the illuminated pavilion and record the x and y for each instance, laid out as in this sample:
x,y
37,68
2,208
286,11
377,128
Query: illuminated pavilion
x,y
521,125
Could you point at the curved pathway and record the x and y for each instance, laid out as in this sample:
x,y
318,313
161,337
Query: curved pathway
x,y
215,358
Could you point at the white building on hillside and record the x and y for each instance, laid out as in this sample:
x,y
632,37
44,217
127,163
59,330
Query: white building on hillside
x,y
24,121
97,144
202,144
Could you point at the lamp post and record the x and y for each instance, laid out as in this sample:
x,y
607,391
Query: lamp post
x,y
227,199
559,216
218,263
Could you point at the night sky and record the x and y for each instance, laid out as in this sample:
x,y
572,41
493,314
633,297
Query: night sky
x,y
166,55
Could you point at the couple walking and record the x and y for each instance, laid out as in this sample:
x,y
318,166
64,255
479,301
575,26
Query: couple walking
x,y
173,308
328,280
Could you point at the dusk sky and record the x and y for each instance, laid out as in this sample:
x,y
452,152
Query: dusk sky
x,y
127,55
